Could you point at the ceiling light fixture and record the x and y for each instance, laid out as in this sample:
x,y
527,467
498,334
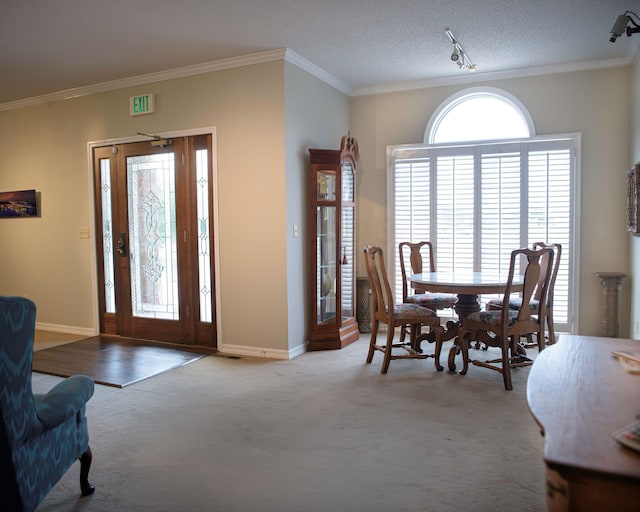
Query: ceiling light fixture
x,y
458,55
622,25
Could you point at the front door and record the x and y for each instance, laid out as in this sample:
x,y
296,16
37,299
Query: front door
x,y
154,243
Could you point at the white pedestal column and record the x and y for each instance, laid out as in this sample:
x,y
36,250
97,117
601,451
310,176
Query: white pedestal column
x,y
611,283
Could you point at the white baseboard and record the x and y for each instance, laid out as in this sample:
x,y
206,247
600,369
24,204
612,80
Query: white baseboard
x,y
81,331
267,353
236,350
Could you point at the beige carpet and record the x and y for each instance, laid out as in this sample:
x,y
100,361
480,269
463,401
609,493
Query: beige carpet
x,y
323,432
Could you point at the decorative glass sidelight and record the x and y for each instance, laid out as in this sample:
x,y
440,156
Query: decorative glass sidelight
x,y
107,236
152,236
204,256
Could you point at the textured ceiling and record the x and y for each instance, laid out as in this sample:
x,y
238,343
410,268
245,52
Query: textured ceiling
x,y
49,46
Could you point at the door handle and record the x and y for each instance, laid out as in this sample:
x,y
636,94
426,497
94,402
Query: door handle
x,y
122,244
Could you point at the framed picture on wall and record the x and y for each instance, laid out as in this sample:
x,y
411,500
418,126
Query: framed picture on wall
x,y
20,203
633,191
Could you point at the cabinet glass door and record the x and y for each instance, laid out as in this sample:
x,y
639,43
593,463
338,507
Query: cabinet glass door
x,y
326,246
326,270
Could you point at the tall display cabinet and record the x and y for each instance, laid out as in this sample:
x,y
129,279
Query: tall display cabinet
x,y
333,210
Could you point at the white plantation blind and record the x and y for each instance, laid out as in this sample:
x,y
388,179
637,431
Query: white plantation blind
x,y
412,205
551,183
454,227
478,202
500,215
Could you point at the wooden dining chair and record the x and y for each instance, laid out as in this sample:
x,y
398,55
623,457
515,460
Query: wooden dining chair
x,y
503,328
418,257
516,301
557,252
385,310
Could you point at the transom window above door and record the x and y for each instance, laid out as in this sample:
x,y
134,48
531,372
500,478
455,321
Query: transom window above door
x,y
482,185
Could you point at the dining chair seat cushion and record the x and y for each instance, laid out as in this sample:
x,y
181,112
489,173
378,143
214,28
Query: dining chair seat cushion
x,y
514,303
411,311
492,317
436,300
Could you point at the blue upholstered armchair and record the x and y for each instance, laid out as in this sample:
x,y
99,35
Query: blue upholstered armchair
x,y
41,436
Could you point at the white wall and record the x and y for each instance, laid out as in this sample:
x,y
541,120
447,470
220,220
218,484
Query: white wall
x,y
594,103
317,116
45,147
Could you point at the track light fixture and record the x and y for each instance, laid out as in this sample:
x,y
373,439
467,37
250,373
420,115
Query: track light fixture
x,y
625,23
458,55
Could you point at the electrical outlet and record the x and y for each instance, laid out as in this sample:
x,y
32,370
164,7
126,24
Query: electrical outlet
x,y
84,232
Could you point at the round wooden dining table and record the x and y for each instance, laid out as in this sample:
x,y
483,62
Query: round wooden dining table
x,y
467,286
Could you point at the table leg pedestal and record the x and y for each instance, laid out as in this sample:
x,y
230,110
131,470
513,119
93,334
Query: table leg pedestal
x,y
467,304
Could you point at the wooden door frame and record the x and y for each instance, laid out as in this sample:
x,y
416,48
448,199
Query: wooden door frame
x,y
215,229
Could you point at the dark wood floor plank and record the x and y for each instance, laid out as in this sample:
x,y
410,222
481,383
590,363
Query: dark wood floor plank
x,y
115,361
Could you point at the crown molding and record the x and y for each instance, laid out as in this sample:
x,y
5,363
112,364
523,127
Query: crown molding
x,y
196,69
297,60
317,71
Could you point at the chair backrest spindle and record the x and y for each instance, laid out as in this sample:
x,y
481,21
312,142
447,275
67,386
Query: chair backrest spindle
x,y
557,251
415,260
383,297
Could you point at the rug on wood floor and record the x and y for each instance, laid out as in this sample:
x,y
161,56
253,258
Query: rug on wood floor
x,y
114,361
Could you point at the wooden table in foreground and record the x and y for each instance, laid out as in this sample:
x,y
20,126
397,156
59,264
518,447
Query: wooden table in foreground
x,y
580,394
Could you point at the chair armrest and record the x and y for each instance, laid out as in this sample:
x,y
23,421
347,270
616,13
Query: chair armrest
x,y
64,400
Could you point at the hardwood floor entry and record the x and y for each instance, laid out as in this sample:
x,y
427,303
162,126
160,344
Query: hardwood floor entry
x,y
114,361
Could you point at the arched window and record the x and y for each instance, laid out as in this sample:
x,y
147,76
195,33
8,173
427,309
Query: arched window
x,y
481,185
476,114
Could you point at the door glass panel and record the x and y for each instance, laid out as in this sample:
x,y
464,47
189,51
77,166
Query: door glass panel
x,y
204,259
152,235
107,236
326,272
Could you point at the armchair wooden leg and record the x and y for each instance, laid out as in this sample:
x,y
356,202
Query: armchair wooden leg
x,y
372,341
403,332
387,350
438,341
464,348
541,341
552,332
507,352
85,464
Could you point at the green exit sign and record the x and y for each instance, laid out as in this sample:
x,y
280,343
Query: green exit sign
x,y
143,104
